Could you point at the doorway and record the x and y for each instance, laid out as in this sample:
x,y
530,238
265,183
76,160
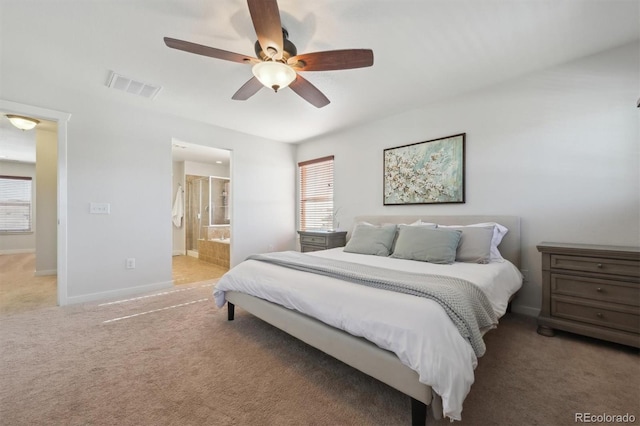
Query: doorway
x,y
56,243
203,239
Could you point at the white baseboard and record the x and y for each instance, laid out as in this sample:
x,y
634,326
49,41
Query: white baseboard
x,y
179,253
525,310
17,251
117,294
45,272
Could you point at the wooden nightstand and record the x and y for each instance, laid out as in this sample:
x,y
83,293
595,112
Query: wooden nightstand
x,y
592,290
321,240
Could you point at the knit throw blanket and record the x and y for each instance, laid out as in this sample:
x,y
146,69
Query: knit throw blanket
x,y
464,302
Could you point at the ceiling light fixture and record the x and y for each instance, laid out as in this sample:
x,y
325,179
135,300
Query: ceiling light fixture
x,y
274,75
21,122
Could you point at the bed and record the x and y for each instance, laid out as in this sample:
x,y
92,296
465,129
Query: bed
x,y
433,375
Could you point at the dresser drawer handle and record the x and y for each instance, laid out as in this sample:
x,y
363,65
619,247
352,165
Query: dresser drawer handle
x,y
599,315
599,290
599,265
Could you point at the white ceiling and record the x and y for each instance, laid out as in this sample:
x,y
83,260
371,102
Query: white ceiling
x,y
185,151
424,51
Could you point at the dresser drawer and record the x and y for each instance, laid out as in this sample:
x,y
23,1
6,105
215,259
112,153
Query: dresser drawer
x,y
591,289
313,239
596,289
596,264
601,315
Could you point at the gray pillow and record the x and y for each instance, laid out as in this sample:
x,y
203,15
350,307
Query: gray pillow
x,y
475,244
416,223
427,244
370,239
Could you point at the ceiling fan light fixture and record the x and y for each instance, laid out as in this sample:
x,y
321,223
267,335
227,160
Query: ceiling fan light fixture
x,y
21,122
274,75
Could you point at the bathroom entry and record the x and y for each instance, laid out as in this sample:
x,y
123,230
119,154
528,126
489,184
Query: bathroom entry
x,y
201,177
208,227
207,211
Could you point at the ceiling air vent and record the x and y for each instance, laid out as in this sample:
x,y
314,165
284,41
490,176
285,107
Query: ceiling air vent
x,y
120,82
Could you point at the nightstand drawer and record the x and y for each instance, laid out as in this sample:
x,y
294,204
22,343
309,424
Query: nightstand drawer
x,y
596,289
313,239
601,315
321,240
595,264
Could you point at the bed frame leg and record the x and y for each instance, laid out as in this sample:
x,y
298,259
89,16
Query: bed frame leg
x,y
231,309
418,413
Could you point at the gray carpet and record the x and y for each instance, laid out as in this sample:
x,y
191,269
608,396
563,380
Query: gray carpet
x,y
173,359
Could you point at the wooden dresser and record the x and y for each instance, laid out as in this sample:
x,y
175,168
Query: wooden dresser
x,y
321,240
591,290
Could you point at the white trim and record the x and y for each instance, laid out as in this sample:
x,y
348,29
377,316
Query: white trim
x,y
17,251
117,294
45,272
179,253
61,118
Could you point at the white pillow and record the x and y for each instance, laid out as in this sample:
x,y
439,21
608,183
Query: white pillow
x,y
421,223
499,231
416,223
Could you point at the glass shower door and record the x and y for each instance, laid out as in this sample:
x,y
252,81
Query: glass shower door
x,y
197,211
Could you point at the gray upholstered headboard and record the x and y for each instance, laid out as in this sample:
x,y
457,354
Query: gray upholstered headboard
x,y
509,247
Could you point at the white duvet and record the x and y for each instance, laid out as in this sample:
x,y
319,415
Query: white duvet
x,y
416,329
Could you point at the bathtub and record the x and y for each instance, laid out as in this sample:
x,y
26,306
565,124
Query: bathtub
x,y
215,251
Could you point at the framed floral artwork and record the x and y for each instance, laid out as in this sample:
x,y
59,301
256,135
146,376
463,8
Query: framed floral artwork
x,y
430,172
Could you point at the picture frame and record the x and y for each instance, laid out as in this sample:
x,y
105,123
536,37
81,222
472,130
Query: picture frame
x,y
429,172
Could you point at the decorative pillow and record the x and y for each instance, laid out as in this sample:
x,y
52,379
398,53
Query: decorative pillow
x,y
416,223
475,243
370,239
499,231
427,244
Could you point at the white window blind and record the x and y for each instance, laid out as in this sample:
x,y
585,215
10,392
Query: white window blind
x,y
15,204
316,194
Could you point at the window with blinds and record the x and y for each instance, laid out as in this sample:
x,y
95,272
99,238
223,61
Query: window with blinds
x,y
15,204
316,194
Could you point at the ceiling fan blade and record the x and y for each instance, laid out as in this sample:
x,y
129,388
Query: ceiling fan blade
x,y
211,52
247,90
266,21
332,60
309,92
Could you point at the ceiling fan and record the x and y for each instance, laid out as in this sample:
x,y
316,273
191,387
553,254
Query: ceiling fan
x,y
278,63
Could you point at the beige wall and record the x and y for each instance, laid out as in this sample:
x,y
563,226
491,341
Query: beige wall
x,y
46,196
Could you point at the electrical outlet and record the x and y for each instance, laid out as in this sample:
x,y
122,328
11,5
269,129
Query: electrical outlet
x,y
131,263
99,208
525,275
271,248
